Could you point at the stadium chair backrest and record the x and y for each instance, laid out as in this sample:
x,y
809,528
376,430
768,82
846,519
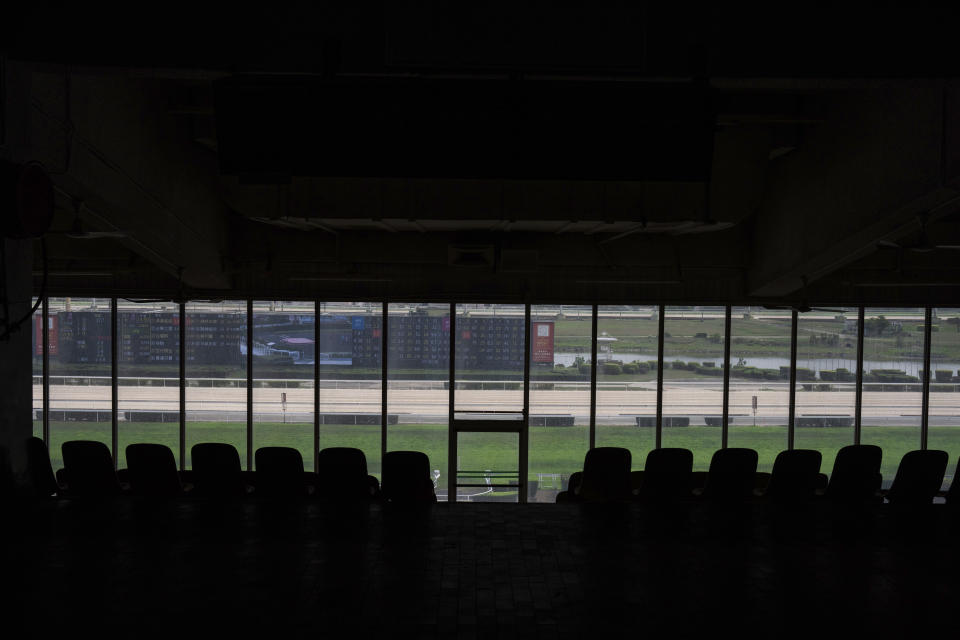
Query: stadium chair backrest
x,y
856,474
666,474
342,474
152,470
279,472
606,474
795,475
406,477
89,468
216,470
732,475
919,477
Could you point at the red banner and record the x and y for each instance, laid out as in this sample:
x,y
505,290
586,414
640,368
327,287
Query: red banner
x,y
542,342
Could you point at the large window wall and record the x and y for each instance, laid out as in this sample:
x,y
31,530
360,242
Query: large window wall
x,y
349,369
148,370
692,389
892,383
418,374
826,388
283,375
559,435
759,381
626,409
80,373
944,429
216,375
587,376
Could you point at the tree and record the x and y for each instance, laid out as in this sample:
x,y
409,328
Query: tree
x,y
875,326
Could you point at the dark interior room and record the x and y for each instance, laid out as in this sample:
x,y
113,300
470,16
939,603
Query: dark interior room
x,y
516,320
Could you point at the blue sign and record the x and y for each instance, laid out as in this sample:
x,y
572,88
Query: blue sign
x,y
358,323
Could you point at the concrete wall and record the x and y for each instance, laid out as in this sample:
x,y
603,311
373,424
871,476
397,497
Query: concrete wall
x,y
15,360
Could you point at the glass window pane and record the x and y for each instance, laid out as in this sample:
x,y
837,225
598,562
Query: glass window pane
x,y
944,426
283,358
148,375
759,381
490,354
80,369
36,348
418,372
559,433
349,360
826,396
693,380
626,379
489,461
216,374
892,391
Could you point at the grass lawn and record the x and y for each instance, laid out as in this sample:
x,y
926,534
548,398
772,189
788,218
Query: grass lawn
x,y
552,449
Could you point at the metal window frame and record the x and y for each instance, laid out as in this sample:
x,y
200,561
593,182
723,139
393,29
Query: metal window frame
x,y
45,373
725,420
594,323
925,378
792,403
858,406
451,399
114,385
182,355
524,453
384,372
316,386
249,384
662,312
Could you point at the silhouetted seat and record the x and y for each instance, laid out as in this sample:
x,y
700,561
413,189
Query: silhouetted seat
x,y
606,474
605,477
280,472
152,471
39,470
732,475
88,467
666,474
406,478
918,478
795,476
342,475
216,470
856,474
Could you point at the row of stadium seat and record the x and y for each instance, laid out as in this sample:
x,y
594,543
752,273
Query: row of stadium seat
x,y
152,471
732,476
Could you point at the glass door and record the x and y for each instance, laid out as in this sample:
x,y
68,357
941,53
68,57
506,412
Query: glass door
x,y
489,403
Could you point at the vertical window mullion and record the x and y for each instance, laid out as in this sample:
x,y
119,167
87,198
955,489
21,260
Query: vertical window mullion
x,y
451,432
114,391
725,420
525,426
593,378
316,386
46,371
249,384
858,409
792,410
384,363
183,384
925,413
659,426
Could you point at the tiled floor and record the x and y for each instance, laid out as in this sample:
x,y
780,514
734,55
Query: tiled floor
x,y
132,568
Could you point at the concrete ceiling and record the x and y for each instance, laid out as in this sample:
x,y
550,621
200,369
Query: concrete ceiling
x,y
815,151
